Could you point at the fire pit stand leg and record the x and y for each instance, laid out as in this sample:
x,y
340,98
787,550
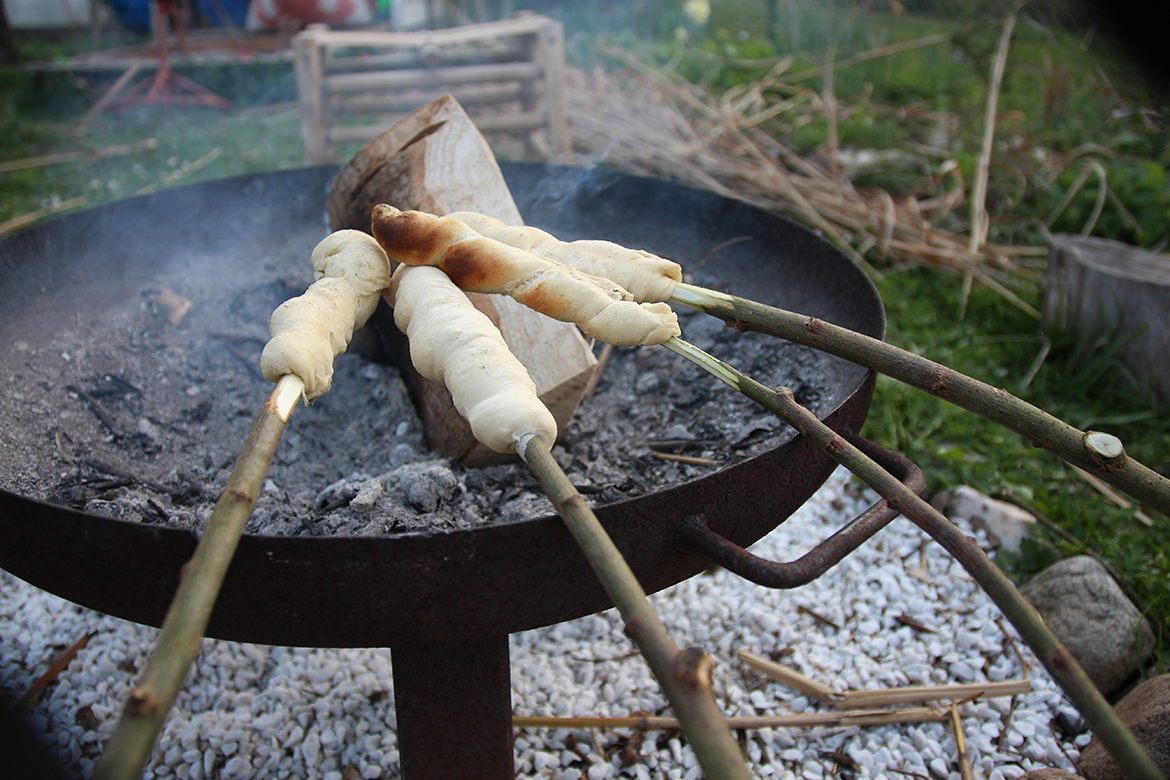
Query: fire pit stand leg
x,y
453,704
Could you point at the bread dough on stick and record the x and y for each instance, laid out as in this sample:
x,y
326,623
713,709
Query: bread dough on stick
x,y
358,259
309,331
601,308
648,277
455,344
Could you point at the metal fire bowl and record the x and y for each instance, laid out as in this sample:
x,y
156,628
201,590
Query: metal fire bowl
x,y
437,587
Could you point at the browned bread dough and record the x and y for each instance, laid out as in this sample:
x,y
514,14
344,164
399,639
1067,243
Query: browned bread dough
x,y
600,307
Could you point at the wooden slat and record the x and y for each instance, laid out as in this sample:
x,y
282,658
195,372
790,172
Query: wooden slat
x,y
413,59
519,26
406,102
405,79
489,123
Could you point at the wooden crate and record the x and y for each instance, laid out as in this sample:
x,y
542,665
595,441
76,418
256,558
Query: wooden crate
x,y
508,76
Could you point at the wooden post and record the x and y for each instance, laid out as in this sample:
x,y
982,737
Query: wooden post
x,y
1094,287
307,54
436,161
552,55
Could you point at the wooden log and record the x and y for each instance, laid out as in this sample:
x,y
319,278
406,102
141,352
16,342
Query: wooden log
x,y
436,161
1096,287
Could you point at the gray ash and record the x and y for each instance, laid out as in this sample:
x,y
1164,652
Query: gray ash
x,y
121,413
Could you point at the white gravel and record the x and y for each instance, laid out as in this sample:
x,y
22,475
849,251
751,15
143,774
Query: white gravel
x,y
273,712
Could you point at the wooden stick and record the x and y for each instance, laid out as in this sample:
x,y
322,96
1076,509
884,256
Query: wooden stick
x,y
109,97
688,459
790,677
811,719
27,219
179,643
1098,453
910,694
80,154
1063,667
983,166
33,694
685,676
961,744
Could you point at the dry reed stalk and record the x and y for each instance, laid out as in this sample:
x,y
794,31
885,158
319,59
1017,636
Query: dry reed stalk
x,y
27,219
811,719
688,459
654,124
983,166
80,154
911,694
33,694
961,744
1112,496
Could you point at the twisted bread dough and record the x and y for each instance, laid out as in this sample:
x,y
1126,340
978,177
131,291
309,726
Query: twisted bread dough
x,y
309,331
355,257
454,343
648,277
601,308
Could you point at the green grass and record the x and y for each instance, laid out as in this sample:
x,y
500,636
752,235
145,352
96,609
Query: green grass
x,y
996,343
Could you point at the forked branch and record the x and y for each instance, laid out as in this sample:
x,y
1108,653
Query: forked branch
x,y
1103,721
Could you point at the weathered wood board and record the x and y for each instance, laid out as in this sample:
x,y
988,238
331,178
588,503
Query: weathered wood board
x,y
1096,287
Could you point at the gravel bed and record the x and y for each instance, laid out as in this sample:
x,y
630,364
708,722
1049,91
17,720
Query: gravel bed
x,y
273,712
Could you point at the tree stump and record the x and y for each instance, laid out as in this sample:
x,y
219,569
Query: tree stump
x,y
1095,287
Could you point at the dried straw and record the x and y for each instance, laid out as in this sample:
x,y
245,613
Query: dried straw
x,y
654,124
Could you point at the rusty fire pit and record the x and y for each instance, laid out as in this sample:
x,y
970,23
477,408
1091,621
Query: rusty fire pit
x,y
445,602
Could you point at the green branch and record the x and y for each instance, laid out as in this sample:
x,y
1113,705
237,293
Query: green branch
x,y
1134,762
685,675
1101,454
181,638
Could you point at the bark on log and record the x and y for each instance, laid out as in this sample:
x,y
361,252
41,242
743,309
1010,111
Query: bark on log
x,y
435,160
1096,287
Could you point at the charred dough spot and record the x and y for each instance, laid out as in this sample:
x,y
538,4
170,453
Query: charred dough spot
x,y
405,237
467,268
545,301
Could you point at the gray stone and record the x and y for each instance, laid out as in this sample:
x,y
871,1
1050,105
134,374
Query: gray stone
x,y
1090,614
1146,711
1006,524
